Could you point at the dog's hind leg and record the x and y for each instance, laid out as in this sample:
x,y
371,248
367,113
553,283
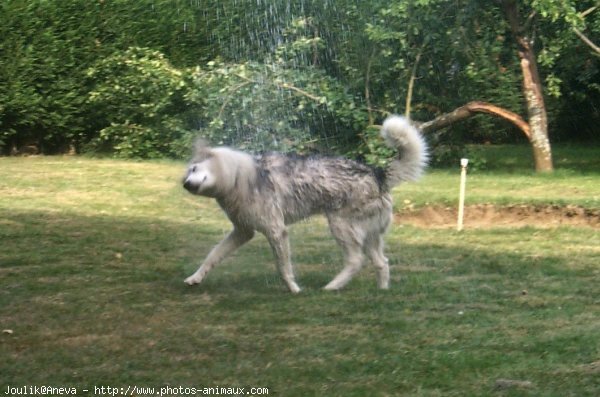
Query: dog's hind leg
x,y
374,251
233,241
279,241
350,237
353,259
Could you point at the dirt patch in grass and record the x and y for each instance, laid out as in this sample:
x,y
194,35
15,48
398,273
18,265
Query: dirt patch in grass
x,y
488,215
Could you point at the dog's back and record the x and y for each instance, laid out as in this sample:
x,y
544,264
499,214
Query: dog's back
x,y
305,185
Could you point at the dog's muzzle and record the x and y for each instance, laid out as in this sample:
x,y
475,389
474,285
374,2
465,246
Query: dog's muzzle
x,y
187,185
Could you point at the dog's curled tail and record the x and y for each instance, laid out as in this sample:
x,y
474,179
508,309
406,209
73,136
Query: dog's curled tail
x,y
412,158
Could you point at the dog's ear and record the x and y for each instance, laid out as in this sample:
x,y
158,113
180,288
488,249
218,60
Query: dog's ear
x,y
201,150
200,144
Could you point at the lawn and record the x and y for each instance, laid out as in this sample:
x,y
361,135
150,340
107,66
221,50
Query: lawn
x,y
94,253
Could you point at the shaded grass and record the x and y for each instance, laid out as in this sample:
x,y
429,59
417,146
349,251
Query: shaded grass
x,y
94,254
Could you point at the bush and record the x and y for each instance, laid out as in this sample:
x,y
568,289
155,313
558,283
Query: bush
x,y
284,102
137,103
41,73
261,106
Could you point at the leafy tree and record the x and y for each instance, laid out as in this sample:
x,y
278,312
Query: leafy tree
x,y
570,57
437,55
470,46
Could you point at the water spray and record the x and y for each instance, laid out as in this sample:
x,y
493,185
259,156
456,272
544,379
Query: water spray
x,y
461,199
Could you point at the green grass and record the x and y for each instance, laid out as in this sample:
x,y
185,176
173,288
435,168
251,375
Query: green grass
x,y
507,178
518,158
93,254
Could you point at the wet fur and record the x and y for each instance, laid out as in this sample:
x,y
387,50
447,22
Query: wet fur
x,y
268,192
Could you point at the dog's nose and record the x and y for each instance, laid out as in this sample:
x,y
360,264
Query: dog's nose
x,y
187,185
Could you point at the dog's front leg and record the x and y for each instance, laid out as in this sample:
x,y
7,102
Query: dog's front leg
x,y
280,244
233,241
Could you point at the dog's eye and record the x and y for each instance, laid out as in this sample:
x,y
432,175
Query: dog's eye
x,y
194,168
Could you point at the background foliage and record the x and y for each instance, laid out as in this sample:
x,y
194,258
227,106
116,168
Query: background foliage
x,y
142,78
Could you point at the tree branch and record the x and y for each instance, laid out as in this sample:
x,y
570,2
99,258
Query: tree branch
x,y
411,83
588,11
587,41
582,36
529,21
300,91
469,110
286,86
230,96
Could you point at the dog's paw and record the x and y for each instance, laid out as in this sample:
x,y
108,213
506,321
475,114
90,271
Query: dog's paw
x,y
294,289
192,280
332,287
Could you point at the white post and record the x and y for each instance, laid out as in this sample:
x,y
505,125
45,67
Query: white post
x,y
461,199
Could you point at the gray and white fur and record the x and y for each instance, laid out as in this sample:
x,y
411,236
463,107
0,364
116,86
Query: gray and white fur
x,y
268,192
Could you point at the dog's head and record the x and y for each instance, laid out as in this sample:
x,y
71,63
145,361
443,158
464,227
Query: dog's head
x,y
219,171
200,177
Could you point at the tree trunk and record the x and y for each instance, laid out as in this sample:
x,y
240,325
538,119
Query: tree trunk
x,y
532,91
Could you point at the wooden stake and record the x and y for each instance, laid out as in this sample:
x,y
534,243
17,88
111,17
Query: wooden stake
x,y
461,199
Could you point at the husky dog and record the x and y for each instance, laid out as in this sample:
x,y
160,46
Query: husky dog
x,y
268,192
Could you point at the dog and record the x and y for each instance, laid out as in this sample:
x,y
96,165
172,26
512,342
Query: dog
x,y
266,193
